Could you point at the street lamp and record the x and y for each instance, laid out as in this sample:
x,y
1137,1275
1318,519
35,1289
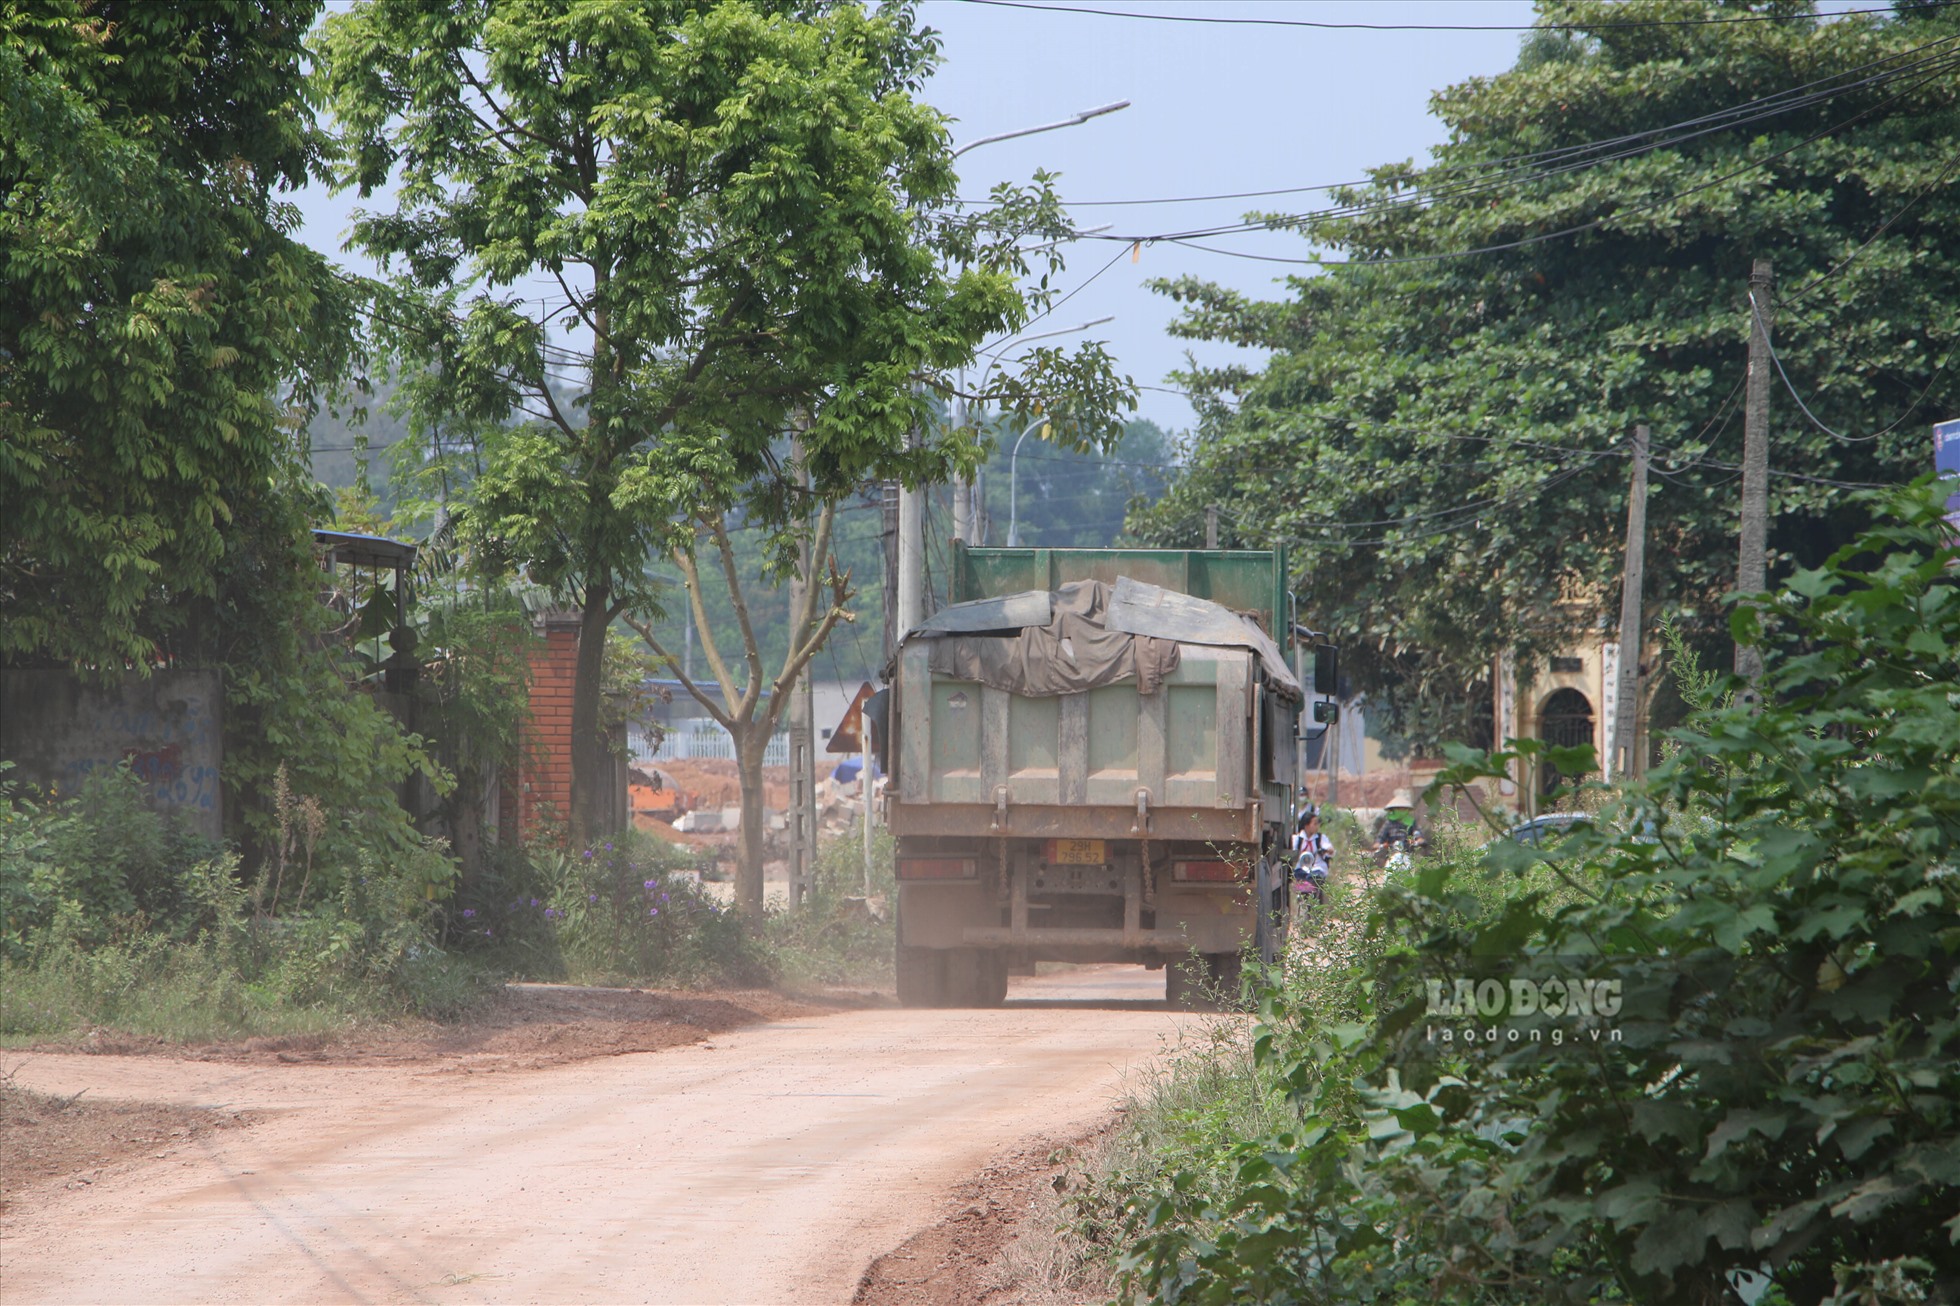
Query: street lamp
x,y
963,509
1014,484
1074,120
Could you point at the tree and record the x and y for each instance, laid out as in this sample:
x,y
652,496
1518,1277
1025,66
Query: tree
x,y
740,207
154,502
1441,434
156,310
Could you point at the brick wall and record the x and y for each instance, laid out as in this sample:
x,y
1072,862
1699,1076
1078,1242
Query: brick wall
x,y
544,776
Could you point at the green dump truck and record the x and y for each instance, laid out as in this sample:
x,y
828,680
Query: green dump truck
x,y
1092,758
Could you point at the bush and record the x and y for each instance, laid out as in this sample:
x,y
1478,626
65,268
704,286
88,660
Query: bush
x,y
1780,1116
843,935
115,917
629,910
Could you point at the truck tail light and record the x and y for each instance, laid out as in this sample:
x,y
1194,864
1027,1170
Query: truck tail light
x,y
1214,872
937,868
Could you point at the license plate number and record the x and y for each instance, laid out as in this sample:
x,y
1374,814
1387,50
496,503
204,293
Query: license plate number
x,y
1076,852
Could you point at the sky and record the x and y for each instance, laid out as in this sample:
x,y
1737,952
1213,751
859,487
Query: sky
x,y
1214,108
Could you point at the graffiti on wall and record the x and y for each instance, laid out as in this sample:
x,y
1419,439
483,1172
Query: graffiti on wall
x,y
58,731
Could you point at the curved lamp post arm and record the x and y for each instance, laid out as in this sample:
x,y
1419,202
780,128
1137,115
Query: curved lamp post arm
x,y
1073,120
1014,483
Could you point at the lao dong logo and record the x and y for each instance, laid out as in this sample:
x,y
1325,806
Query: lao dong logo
x,y
1490,1011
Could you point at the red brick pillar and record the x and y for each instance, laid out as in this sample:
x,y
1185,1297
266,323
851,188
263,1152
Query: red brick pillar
x,y
545,766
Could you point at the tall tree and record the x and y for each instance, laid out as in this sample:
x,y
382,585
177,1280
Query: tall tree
x,y
156,309
740,207
1442,432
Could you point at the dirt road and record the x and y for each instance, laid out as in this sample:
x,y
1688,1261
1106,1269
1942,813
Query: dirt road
x,y
767,1164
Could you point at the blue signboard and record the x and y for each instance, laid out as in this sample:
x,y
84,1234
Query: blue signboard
x,y
1946,461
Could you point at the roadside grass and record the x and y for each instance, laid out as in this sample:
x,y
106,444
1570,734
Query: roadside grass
x,y
113,923
844,935
1204,1096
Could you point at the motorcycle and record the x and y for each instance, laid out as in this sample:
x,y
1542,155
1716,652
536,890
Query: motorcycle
x,y
1309,884
1399,854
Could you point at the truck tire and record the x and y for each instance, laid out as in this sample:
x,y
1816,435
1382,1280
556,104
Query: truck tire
x,y
1184,984
994,970
1225,971
1269,926
1205,983
921,975
975,977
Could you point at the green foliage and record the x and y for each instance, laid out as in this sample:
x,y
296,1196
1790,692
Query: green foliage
x,y
630,910
844,934
742,204
1442,440
98,859
1784,1099
115,919
155,308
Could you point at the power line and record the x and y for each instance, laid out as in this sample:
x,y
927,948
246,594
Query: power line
x,y
1756,311
1880,230
1510,167
1222,21
1541,237
1574,158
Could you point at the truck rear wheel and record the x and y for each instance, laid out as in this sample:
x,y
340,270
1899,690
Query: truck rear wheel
x,y
975,977
921,975
1204,983
993,969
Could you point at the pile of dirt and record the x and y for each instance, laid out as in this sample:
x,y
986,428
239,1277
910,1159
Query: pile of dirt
x,y
524,1027
994,1244
70,1142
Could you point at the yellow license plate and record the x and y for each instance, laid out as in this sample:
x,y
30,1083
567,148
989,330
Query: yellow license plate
x,y
1075,852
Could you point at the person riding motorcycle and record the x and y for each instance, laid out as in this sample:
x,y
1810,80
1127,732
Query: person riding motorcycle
x,y
1313,858
1397,830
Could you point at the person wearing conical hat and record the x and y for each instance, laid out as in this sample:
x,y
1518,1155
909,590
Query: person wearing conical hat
x,y
1398,822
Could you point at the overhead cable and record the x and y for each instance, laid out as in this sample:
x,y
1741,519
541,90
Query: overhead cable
x,y
1223,20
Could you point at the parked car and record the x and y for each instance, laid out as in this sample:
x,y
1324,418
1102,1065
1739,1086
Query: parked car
x,y
1547,830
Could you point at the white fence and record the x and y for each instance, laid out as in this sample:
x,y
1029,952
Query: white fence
x,y
698,742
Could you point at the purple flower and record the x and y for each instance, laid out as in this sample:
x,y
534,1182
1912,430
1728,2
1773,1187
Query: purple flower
x,y
588,854
653,911
469,913
663,897
551,913
534,902
488,932
592,897
608,847
648,884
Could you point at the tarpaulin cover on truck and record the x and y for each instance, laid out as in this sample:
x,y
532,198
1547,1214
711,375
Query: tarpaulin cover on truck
x,y
1085,635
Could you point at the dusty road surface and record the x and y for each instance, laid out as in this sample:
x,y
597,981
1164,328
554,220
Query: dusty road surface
x,y
766,1164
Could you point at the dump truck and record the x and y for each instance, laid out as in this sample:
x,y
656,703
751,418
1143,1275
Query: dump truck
x,y
1092,759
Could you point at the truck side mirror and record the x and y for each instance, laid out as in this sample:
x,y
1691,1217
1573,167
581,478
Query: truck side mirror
x,y
1326,714
1326,670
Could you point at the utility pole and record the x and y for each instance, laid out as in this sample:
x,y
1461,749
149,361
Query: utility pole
x,y
802,720
1211,526
888,535
1626,723
911,559
1751,568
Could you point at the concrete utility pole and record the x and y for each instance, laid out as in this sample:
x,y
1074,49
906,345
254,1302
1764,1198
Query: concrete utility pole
x,y
963,510
802,724
1211,526
1626,723
911,559
888,534
1751,568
